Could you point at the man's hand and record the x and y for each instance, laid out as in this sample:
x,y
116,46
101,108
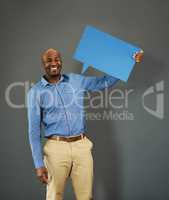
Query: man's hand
x,y
42,174
138,56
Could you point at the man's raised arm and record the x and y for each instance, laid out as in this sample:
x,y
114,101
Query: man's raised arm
x,y
92,83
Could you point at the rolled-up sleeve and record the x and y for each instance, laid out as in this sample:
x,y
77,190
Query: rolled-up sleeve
x,y
34,126
92,83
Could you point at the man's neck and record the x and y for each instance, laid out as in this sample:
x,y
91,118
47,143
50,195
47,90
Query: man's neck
x,y
53,79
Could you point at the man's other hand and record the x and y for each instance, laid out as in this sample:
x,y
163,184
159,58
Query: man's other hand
x,y
42,174
138,56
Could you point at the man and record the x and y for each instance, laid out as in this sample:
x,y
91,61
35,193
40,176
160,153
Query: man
x,y
56,102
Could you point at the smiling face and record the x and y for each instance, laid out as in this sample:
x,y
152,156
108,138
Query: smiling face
x,y
52,62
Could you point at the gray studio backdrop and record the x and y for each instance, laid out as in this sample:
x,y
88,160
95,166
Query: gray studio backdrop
x,y
130,151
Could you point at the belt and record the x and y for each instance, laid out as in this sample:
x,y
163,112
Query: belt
x,y
66,139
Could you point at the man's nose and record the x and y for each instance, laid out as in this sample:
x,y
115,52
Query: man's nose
x,y
53,63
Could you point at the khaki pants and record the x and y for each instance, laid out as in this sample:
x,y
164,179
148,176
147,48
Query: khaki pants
x,y
64,159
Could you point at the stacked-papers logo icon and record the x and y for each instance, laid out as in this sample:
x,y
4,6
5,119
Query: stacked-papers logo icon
x,y
158,92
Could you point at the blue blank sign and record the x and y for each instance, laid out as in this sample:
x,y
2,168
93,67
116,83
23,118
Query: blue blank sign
x,y
105,53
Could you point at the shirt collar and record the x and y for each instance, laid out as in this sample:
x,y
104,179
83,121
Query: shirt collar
x,y
45,82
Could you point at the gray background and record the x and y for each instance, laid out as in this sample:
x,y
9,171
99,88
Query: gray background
x,y
131,157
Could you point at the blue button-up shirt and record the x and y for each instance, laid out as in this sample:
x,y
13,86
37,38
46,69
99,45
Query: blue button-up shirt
x,y
58,107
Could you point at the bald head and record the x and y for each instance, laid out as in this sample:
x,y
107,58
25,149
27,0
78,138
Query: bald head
x,y
48,53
